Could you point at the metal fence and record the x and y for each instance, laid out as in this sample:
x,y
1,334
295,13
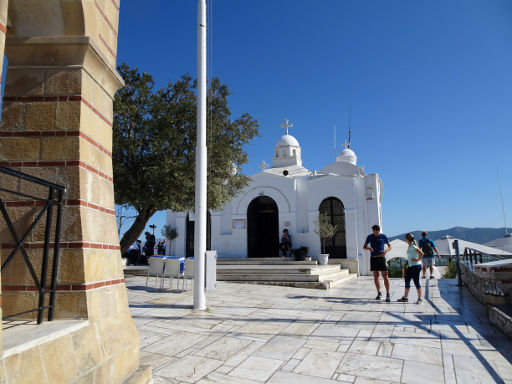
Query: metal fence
x,y
48,205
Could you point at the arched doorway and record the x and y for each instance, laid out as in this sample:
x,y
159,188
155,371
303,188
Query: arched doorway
x,y
189,246
262,228
336,247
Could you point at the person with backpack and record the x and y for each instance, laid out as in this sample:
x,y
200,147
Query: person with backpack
x,y
428,248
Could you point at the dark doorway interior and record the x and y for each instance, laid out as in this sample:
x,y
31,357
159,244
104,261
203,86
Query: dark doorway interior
x,y
262,228
189,249
336,247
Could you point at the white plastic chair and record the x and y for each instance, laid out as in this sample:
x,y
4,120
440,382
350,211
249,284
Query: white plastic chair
x,y
189,271
172,270
156,268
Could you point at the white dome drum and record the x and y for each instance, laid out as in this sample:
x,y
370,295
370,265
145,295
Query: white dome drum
x,y
287,140
347,156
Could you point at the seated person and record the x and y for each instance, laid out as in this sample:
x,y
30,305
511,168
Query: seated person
x,y
286,244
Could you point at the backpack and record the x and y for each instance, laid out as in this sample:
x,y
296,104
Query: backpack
x,y
427,248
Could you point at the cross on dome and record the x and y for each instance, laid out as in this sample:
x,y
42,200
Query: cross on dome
x,y
286,125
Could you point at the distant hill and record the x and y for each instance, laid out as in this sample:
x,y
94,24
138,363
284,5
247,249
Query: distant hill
x,y
476,235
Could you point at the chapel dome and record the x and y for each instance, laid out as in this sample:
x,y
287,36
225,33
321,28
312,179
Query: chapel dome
x,y
347,156
287,140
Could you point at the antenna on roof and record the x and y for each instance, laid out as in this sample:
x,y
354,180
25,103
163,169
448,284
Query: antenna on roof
x,y
349,122
502,204
334,131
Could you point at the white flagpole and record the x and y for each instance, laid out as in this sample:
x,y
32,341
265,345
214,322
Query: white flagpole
x,y
201,159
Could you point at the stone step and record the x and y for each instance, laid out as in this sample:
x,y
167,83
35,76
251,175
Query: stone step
x,y
270,269
262,261
140,376
338,282
304,284
268,277
334,276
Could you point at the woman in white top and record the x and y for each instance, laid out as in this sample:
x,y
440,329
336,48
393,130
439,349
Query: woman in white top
x,y
414,256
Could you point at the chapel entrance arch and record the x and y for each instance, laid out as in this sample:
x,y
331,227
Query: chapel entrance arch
x,y
336,246
190,237
262,228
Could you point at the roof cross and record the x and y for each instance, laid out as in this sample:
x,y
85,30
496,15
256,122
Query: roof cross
x,y
286,125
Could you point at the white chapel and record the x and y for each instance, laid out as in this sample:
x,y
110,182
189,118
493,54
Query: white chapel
x,y
287,195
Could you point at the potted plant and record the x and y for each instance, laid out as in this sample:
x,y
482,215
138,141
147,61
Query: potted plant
x,y
300,253
170,233
325,230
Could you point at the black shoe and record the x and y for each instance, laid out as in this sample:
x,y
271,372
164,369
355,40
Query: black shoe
x,y
403,300
431,277
379,295
423,277
388,298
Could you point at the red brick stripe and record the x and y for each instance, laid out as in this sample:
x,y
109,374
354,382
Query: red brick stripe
x,y
91,107
96,144
66,287
112,247
32,203
0,301
57,133
105,17
115,5
58,99
90,205
3,28
62,163
43,98
107,46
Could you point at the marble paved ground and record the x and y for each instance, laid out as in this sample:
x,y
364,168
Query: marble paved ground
x,y
264,334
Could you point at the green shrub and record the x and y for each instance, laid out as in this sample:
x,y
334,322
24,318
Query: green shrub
x,y
451,270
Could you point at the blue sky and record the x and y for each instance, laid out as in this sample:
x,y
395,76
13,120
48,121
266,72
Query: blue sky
x,y
430,83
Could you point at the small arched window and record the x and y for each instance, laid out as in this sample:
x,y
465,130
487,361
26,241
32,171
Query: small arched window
x,y
294,153
277,153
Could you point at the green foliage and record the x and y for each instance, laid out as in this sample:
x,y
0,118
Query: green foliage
x,y
325,229
451,270
154,145
396,266
169,232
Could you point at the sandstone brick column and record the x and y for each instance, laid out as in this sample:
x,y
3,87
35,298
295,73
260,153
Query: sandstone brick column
x,y
3,31
57,125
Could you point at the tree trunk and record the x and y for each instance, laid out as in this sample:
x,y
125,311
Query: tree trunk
x,y
136,229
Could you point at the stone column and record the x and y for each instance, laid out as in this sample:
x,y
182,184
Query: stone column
x,y
3,31
57,125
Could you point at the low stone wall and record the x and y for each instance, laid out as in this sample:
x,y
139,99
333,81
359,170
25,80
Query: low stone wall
x,y
490,283
351,264
501,320
89,352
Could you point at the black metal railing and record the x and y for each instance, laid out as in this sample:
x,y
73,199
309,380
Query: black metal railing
x,y
470,257
54,199
474,256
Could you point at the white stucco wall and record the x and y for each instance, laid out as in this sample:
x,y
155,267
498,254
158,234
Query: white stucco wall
x,y
298,200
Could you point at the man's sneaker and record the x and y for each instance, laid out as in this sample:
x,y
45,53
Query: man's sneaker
x,y
378,296
423,277
388,298
431,277
419,301
403,300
